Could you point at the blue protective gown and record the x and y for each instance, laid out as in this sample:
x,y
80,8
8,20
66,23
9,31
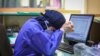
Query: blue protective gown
x,y
32,40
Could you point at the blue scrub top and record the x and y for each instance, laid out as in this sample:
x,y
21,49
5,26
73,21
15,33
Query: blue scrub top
x,y
32,40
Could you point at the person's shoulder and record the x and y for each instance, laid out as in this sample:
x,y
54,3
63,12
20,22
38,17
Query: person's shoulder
x,y
32,23
31,20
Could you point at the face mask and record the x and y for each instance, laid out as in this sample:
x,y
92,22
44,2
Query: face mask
x,y
46,23
48,31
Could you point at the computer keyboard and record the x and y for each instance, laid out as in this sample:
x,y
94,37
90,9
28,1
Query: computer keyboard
x,y
66,48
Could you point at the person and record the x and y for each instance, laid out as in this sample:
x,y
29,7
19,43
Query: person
x,y
41,35
5,47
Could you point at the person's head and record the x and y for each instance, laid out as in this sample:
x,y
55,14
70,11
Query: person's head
x,y
54,18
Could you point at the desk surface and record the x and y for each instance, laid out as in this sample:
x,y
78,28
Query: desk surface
x,y
61,53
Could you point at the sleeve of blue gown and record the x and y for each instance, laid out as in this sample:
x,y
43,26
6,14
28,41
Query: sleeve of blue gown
x,y
44,42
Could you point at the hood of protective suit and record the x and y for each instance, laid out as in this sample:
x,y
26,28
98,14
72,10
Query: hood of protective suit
x,y
54,18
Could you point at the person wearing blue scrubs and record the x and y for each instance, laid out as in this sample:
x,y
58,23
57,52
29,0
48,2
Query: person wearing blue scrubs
x,y
42,35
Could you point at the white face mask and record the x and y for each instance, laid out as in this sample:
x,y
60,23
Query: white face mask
x,y
46,23
48,27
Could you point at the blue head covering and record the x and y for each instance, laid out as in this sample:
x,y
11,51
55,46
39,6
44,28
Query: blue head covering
x,y
55,19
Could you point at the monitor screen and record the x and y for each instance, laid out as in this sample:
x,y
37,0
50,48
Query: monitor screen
x,y
82,24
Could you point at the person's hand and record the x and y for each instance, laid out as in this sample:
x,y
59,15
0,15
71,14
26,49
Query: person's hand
x,y
67,27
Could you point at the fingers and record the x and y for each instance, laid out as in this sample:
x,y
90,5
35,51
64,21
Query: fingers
x,y
71,26
68,26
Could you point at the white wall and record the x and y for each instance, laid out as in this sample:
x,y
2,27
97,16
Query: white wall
x,y
24,3
75,5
